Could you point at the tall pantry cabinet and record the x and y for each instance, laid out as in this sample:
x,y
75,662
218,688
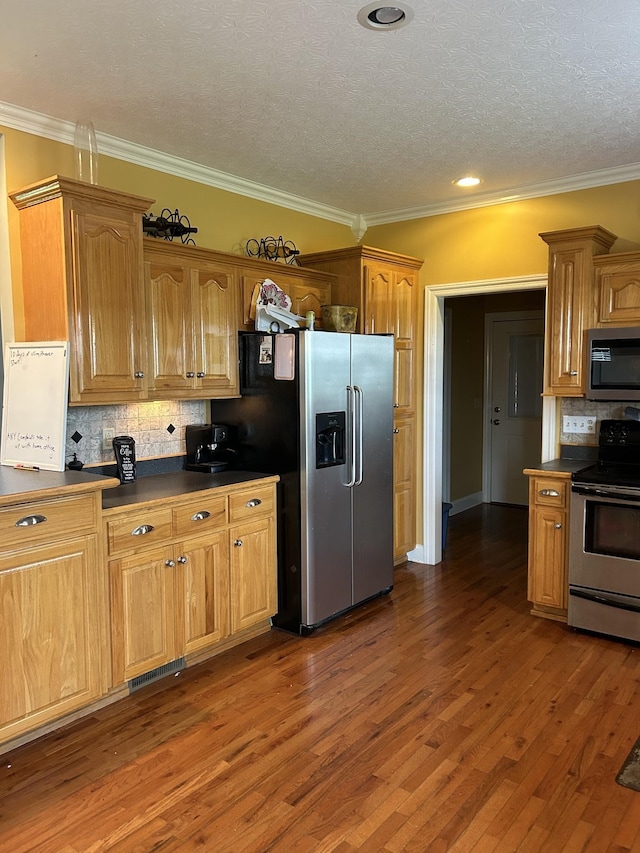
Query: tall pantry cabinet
x,y
384,287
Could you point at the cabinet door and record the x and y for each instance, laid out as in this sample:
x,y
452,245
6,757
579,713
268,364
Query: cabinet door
x,y
203,591
548,557
378,299
618,291
252,573
142,613
171,346
215,331
109,309
51,633
403,475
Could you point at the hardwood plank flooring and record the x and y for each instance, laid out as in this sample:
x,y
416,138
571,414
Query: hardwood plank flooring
x,y
443,717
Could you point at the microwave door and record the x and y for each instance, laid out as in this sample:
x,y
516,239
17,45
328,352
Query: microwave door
x,y
613,364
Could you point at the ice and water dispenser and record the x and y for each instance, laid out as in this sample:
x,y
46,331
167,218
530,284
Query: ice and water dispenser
x,y
330,439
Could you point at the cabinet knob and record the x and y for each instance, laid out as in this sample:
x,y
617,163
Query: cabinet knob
x,y
396,405
238,543
557,525
138,375
201,374
396,431
142,530
200,515
182,559
28,520
253,502
190,374
169,563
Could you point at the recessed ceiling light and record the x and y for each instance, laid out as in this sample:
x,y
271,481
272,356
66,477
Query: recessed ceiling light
x,y
377,16
467,181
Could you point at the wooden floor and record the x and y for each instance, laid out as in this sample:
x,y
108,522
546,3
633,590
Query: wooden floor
x,y
441,717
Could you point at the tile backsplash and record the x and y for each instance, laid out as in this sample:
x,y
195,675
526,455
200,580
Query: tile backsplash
x,y
157,428
587,408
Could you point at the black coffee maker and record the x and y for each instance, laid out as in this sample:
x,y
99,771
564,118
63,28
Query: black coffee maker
x,y
209,448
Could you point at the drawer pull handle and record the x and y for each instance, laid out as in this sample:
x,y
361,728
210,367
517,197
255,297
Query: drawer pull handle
x,y
142,530
28,520
253,502
549,493
238,543
200,515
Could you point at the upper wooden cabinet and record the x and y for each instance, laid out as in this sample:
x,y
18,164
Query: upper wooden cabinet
x,y
191,314
571,304
617,289
384,287
82,282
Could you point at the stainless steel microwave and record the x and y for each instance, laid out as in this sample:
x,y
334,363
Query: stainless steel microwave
x,y
613,364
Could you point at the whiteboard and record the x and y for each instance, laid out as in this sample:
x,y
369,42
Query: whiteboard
x,y
34,406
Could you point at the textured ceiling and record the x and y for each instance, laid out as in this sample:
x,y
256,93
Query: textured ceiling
x,y
296,95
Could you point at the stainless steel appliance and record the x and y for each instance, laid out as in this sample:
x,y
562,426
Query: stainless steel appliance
x,y
209,448
317,409
613,364
604,537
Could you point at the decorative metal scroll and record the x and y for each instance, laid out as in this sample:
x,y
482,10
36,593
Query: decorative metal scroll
x,y
168,226
272,249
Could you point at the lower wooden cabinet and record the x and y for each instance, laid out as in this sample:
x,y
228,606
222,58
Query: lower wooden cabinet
x,y
175,595
548,546
52,612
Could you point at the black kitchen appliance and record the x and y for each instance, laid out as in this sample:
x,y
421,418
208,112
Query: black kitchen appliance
x,y
210,447
604,537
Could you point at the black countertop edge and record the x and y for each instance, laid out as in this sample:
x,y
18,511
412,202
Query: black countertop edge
x,y
159,486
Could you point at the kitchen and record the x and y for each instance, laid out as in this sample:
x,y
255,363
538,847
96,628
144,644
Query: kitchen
x,y
455,248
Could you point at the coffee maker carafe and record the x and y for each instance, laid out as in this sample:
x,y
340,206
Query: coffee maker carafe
x,y
209,448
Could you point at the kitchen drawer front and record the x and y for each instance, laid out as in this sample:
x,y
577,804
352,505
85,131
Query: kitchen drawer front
x,y
200,516
140,529
251,503
46,521
550,492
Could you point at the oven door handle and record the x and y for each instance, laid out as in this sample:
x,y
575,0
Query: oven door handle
x,y
604,599
616,494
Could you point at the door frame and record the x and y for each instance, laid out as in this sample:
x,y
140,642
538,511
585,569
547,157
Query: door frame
x,y
489,320
430,551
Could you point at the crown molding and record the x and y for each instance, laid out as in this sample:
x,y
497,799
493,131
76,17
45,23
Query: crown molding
x,y
59,130
28,121
586,181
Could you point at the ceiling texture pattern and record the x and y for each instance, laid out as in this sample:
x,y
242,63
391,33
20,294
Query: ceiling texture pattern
x,y
296,95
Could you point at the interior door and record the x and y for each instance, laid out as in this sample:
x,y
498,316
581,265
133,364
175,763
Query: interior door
x,y
515,416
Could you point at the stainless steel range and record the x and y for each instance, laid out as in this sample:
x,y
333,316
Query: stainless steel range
x,y
604,539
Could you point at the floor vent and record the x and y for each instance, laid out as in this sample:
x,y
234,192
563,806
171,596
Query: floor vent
x,y
156,674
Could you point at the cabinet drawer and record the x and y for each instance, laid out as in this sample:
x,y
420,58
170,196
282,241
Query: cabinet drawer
x,y
251,503
197,517
551,492
141,529
45,521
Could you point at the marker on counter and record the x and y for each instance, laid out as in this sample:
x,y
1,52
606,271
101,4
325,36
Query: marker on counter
x,y
27,467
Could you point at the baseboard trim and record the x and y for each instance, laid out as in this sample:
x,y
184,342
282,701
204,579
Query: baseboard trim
x,y
468,502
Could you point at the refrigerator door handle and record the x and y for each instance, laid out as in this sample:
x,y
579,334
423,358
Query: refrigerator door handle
x,y
351,415
359,396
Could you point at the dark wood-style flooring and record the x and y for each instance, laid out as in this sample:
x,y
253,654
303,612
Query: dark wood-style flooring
x,y
442,717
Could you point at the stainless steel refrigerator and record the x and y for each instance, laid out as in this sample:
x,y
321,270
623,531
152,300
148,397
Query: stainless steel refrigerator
x,y
317,409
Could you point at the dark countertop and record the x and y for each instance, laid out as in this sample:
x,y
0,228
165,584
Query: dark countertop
x,y
160,486
565,467
18,486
